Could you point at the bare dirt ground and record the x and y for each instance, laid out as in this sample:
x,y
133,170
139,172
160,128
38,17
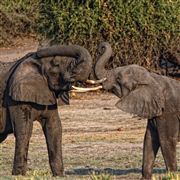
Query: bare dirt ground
x,y
97,137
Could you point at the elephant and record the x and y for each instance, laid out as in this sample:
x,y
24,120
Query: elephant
x,y
170,64
29,91
151,96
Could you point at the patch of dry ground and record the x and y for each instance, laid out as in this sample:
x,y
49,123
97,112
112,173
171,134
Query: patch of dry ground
x,y
19,48
96,137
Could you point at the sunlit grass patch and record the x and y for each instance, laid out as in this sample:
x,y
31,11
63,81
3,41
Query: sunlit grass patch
x,y
100,176
168,176
31,178
38,172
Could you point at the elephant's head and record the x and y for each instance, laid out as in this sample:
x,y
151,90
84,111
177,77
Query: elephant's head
x,y
61,73
45,74
138,91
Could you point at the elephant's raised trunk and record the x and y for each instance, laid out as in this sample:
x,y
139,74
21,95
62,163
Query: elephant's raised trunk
x,y
83,63
105,52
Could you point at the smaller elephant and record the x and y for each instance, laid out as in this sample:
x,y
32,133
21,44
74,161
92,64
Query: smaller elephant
x,y
170,64
148,95
29,90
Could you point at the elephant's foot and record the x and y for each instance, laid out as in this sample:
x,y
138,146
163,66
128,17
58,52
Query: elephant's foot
x,y
19,171
60,173
146,174
19,167
57,169
143,178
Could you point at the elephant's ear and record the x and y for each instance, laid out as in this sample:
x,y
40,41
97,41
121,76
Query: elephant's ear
x,y
28,85
145,101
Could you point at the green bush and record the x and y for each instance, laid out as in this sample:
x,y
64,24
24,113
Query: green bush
x,y
139,31
17,18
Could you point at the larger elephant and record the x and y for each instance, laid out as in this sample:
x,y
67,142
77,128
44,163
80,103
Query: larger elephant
x,y
148,95
29,91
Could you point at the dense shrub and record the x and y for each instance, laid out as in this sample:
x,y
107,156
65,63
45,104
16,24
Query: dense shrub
x,y
139,31
17,18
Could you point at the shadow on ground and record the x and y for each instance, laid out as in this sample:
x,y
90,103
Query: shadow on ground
x,y
115,172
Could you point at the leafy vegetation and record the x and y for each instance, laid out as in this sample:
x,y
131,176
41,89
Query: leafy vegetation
x,y
17,18
139,31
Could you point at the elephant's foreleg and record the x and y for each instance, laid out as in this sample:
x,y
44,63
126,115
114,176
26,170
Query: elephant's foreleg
x,y
168,130
23,124
168,148
53,133
150,149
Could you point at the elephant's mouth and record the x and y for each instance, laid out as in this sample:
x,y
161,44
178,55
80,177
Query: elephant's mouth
x,y
60,84
66,87
117,90
58,87
120,91
57,82
53,83
55,79
92,82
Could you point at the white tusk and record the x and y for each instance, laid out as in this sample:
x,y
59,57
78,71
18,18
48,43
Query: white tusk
x,y
79,89
96,82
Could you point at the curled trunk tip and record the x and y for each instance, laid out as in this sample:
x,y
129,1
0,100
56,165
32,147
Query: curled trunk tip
x,y
105,52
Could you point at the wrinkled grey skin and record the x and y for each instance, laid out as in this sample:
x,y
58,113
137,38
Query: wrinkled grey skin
x,y
28,92
150,96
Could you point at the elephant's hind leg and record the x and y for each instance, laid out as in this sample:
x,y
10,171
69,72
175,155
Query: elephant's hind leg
x,y
8,129
150,149
23,124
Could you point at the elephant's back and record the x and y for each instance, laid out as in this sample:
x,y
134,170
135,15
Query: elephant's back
x,y
4,71
5,67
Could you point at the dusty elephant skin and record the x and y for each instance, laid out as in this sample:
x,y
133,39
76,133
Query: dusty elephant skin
x,y
29,89
150,96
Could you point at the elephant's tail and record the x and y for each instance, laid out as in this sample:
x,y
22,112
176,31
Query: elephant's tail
x,y
179,129
2,119
179,134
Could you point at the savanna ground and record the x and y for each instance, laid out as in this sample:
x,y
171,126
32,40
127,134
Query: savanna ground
x,y
97,137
